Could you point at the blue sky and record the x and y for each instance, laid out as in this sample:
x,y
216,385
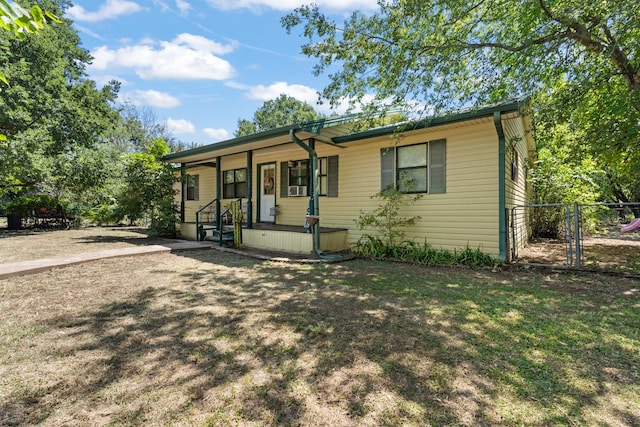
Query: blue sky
x,y
201,65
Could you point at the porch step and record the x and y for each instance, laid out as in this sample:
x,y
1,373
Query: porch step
x,y
227,234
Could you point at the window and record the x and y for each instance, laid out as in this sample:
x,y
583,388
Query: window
x,y
418,168
514,165
192,187
235,183
298,173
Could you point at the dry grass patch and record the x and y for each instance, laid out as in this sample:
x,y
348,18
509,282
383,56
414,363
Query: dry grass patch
x,y
211,338
23,245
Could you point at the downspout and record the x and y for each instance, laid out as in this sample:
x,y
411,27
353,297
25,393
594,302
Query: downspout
x,y
183,177
314,189
502,197
249,189
218,188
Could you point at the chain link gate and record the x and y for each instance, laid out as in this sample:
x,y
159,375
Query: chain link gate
x,y
530,225
555,234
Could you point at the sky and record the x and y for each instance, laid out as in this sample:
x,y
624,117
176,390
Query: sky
x,y
201,65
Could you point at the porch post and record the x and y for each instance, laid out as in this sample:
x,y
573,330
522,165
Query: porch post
x,y
218,188
315,187
183,171
249,189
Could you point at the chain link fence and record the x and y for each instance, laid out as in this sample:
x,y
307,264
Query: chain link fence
x,y
596,236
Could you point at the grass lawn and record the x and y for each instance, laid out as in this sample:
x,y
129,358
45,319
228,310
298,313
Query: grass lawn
x,y
212,338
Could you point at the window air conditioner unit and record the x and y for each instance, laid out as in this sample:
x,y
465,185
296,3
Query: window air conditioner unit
x,y
297,190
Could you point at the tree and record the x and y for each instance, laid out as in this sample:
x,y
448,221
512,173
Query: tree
x,y
282,111
20,21
442,51
149,189
50,108
579,62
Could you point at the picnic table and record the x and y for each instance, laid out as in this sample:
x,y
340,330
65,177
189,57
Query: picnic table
x,y
49,217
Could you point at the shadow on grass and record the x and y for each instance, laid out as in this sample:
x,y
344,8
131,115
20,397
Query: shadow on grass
x,y
137,236
242,341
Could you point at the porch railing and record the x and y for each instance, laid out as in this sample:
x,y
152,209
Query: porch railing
x,y
220,219
212,209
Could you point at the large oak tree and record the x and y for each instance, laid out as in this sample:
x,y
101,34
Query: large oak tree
x,y
578,61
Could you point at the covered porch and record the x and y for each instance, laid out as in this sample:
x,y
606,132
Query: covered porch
x,y
284,238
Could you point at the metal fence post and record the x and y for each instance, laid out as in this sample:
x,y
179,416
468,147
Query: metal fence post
x,y
569,243
578,234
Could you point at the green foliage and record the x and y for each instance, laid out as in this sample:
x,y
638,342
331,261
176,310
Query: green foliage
x,y
579,61
282,111
21,21
50,110
101,214
26,204
389,239
443,52
410,251
387,219
149,189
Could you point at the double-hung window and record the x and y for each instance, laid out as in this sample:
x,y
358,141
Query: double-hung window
x,y
235,183
298,173
191,187
417,168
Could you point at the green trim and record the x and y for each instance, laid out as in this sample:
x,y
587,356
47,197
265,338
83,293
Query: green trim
x,y
249,189
232,143
315,126
515,105
314,187
502,222
318,125
218,188
183,173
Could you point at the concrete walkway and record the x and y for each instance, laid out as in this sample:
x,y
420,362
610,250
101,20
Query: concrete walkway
x,y
38,265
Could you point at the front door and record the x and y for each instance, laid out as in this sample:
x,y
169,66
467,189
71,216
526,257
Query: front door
x,y
267,192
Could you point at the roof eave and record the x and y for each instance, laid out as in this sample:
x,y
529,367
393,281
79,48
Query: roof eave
x,y
482,112
231,143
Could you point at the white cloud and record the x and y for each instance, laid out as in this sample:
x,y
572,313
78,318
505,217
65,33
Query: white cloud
x,y
292,4
183,7
236,85
299,92
180,126
111,9
162,5
217,134
152,98
187,57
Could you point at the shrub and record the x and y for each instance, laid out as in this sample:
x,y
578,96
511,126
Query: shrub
x,y
26,204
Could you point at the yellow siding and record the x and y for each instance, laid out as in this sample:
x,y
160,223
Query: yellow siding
x,y
466,215
292,241
516,189
206,191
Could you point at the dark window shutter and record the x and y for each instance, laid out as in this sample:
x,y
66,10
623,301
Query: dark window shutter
x,y
196,189
284,179
332,176
387,165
